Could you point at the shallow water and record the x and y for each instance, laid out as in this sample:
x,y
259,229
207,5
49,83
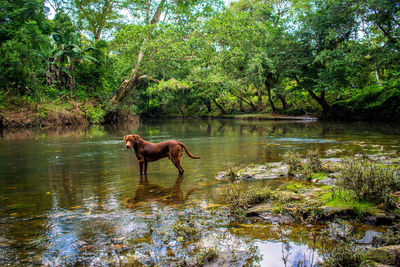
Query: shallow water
x,y
74,196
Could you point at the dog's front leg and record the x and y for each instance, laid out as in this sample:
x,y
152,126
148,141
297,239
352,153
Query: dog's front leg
x,y
141,162
145,167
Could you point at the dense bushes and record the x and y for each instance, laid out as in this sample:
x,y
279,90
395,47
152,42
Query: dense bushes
x,y
372,102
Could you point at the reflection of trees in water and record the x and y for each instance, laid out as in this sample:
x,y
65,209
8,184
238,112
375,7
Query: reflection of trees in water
x,y
226,127
76,177
210,127
31,133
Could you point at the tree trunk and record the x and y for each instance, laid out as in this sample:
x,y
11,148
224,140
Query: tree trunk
x,y
207,104
378,80
253,106
326,108
270,100
71,80
107,8
129,83
260,106
180,109
241,105
283,101
269,81
98,34
219,106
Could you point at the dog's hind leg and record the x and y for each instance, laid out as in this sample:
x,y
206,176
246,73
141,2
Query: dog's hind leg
x,y
178,166
176,159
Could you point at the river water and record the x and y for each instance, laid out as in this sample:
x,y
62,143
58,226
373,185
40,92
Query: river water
x,y
73,195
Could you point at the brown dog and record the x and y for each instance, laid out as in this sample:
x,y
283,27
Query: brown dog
x,y
147,151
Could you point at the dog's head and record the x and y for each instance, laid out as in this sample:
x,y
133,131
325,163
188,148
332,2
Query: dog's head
x,y
131,139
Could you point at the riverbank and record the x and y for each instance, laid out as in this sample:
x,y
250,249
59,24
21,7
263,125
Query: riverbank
x,y
338,192
17,114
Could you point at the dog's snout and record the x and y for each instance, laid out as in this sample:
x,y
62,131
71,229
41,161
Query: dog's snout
x,y
128,145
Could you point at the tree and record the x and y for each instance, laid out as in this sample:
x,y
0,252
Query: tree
x,y
98,15
249,36
157,15
23,44
67,53
319,52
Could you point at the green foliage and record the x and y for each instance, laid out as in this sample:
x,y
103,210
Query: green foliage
x,y
337,197
390,237
68,52
23,43
303,168
95,114
374,102
338,59
370,181
345,253
239,198
98,16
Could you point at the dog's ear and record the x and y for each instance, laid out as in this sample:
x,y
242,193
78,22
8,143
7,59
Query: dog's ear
x,y
137,138
125,137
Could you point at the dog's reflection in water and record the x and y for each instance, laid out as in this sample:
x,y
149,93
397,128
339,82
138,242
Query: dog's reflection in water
x,y
147,192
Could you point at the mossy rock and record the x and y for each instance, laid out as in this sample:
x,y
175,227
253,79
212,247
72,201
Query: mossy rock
x,y
330,213
385,255
380,219
266,212
259,209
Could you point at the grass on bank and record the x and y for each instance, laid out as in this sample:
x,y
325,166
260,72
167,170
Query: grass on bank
x,y
336,198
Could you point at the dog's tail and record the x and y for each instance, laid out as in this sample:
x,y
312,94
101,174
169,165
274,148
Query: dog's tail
x,y
187,151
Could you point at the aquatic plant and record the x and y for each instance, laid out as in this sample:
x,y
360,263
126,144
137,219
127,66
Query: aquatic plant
x,y
293,159
232,172
239,199
370,181
390,237
186,230
290,203
345,253
295,186
303,168
313,161
206,255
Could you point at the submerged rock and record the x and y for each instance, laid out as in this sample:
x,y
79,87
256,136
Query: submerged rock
x,y
369,237
269,171
341,229
326,181
265,212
